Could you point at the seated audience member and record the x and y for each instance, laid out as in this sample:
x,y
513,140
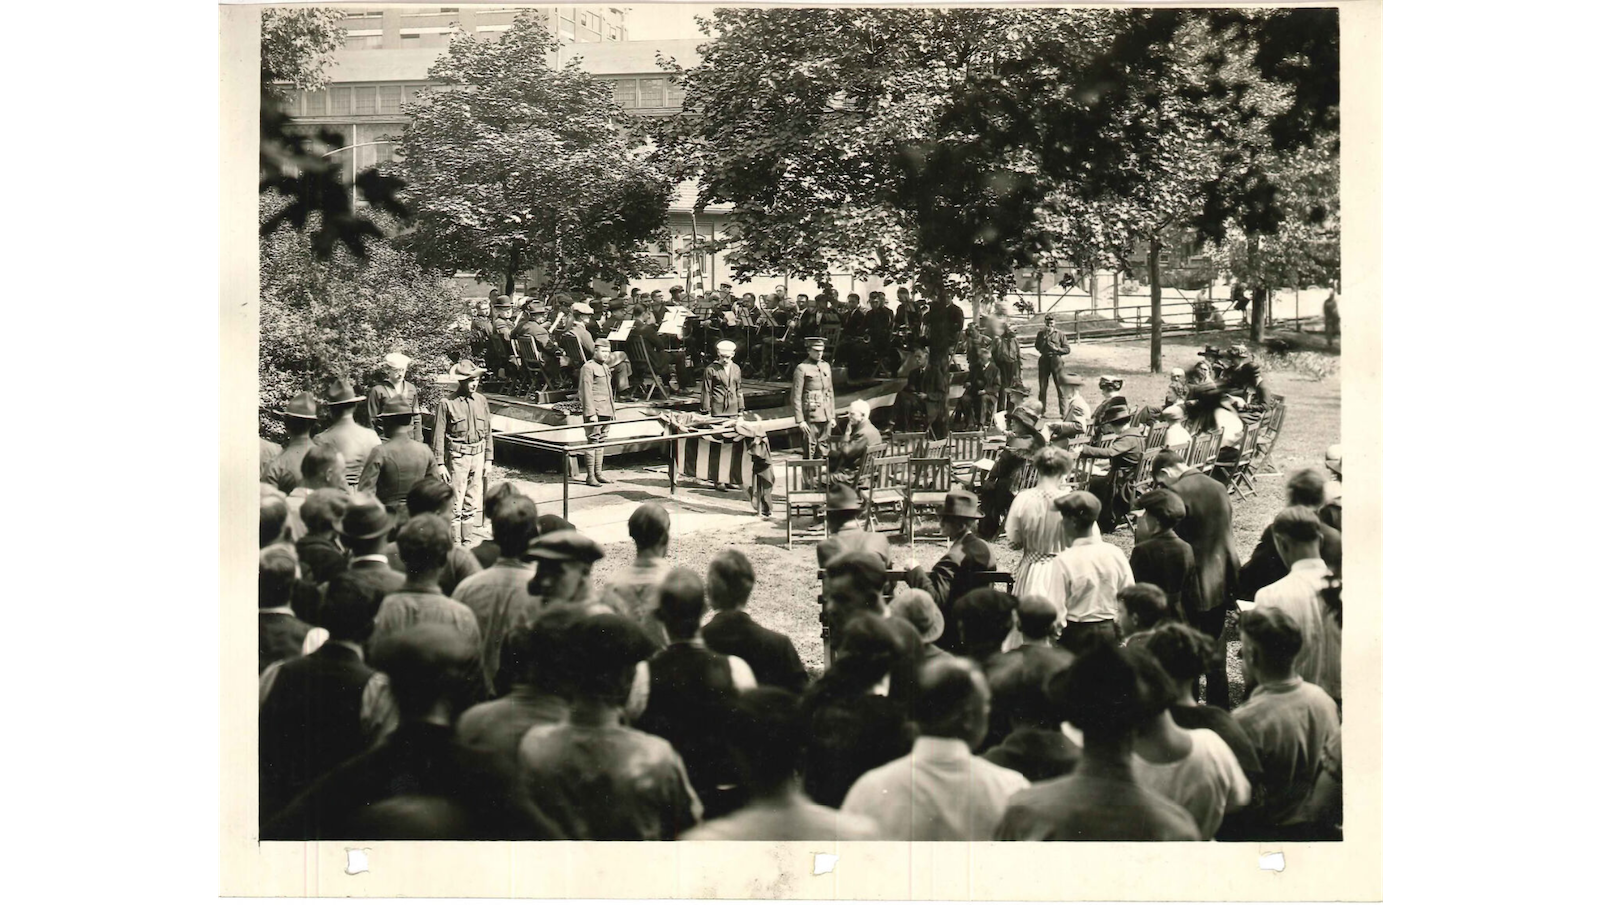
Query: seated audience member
x,y
1088,575
563,562
940,792
955,572
917,607
852,585
431,496
498,596
322,709
732,632
1185,654
535,663
1160,557
1141,609
634,589
984,618
1103,695
1293,724
425,545
1193,767
692,690
488,552
594,777
847,533
767,733
274,517
321,555
280,635
853,726
1178,436
323,468
1265,566
432,672
364,530
1296,533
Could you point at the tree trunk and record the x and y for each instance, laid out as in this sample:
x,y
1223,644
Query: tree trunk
x,y
1155,303
1257,309
512,267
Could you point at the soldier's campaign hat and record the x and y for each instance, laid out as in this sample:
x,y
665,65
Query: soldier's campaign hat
x,y
1072,380
1079,505
1116,412
566,546
303,405
397,360
503,301
609,642
816,342
1162,503
365,517
340,392
561,298
917,607
534,306
960,504
396,407
464,369
843,498
581,308
617,304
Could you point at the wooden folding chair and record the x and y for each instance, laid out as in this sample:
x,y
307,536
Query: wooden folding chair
x,y
644,373
1203,449
1240,471
1025,478
966,448
1143,479
1157,436
929,483
1271,427
533,367
994,578
906,443
889,491
805,484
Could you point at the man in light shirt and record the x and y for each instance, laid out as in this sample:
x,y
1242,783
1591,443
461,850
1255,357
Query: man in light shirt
x,y
635,590
940,792
498,596
1297,533
1088,575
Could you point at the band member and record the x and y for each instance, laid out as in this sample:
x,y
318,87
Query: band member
x,y
812,399
1053,352
879,327
943,330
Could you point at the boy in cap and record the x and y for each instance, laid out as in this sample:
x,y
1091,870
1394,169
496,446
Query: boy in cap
x,y
321,557
811,399
351,439
953,575
300,420
399,462
1160,557
463,443
394,386
597,779
597,406
564,561
1022,724
1088,575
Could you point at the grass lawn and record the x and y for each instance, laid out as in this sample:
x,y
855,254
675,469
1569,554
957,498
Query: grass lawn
x,y
785,597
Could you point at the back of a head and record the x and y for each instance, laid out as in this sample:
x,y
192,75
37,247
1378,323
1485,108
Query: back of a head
x,y
1102,694
768,734
984,617
1036,617
317,468
424,543
1297,525
349,607
426,663
729,580
540,652
1165,459
1274,636
863,574
1160,692
323,509
952,699
682,603
497,495
1052,461
866,651
1305,488
1184,652
279,567
649,526
274,516
516,524
430,495
606,649
550,523
1145,602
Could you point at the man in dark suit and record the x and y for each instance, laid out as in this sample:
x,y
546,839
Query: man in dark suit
x,y
320,710
731,631
1115,488
1207,526
365,530
1160,557
1265,566
1023,728
846,532
952,575
280,634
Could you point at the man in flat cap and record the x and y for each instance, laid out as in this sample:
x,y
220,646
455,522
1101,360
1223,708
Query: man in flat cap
x,y
597,406
1160,557
394,385
952,576
300,420
400,462
353,440
463,444
1087,576
564,561
1122,454
811,399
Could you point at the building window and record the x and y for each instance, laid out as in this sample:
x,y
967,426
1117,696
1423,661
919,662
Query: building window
x,y
411,40
364,42
674,94
366,100
316,103
389,98
652,92
341,102
410,94
449,9
626,92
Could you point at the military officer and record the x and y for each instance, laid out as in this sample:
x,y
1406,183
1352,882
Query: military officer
x,y
598,407
394,386
1053,352
812,399
1115,488
463,444
300,420
399,462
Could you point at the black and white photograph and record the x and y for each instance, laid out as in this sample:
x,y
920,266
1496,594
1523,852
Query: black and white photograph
x,y
810,426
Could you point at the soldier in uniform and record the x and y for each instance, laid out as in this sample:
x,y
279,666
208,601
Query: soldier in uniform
x,y
1114,489
1053,352
533,326
300,420
400,462
598,406
943,330
845,458
393,386
351,439
811,399
463,444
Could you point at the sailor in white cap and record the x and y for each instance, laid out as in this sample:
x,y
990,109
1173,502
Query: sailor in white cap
x,y
394,386
721,389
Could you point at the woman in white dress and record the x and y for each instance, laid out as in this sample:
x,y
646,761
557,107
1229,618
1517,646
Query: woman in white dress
x,y
1035,527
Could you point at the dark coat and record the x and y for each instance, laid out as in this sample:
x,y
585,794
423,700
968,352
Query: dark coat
x,y
1115,488
280,638
377,575
1167,561
771,655
1208,528
1266,567
950,578
321,558
849,736
690,704
310,722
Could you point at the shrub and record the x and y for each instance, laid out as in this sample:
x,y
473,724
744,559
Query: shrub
x,y
338,318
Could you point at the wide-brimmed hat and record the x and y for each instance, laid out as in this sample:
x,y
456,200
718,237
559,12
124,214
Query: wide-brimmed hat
x,y
1210,352
618,303
397,360
462,370
843,498
1107,378
917,607
1028,412
1116,412
365,518
503,301
533,306
959,504
397,407
340,392
303,405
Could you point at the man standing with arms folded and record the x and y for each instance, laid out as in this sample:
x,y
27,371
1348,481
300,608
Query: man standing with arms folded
x,y
394,386
1053,351
463,446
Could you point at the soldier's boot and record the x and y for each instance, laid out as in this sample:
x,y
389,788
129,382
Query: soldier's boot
x,y
599,462
464,531
593,479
